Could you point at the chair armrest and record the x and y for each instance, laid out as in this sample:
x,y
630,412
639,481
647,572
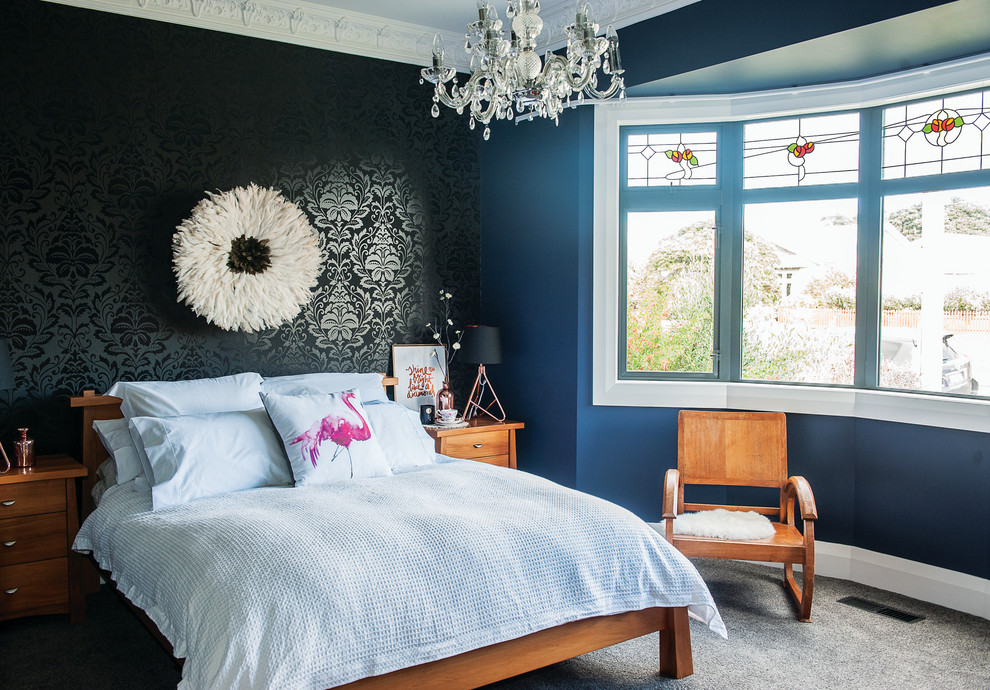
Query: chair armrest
x,y
800,488
670,482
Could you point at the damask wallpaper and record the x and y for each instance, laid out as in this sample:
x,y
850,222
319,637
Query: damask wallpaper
x,y
112,128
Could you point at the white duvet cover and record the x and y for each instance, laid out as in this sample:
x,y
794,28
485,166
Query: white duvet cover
x,y
316,586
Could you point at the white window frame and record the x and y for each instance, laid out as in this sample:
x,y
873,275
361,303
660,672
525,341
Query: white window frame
x,y
609,389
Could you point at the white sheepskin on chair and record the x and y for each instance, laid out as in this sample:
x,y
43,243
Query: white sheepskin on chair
x,y
724,524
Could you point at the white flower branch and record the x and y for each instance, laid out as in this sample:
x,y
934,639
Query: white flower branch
x,y
442,334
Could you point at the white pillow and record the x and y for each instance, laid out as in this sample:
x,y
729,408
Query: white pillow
x,y
400,435
116,438
369,385
142,455
197,396
327,437
195,456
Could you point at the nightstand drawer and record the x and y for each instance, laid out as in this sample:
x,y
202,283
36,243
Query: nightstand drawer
x,y
31,538
33,586
499,460
478,445
32,498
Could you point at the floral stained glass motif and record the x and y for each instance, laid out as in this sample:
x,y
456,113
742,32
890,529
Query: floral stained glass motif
x,y
801,151
796,153
671,159
944,135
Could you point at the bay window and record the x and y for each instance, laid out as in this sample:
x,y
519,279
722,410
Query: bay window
x,y
833,261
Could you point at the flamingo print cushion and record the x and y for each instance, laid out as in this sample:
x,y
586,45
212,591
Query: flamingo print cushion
x,y
195,456
326,436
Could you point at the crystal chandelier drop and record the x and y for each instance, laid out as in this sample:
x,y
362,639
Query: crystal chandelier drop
x,y
508,76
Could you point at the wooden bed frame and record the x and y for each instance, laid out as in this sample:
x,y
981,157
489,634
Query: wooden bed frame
x,y
470,669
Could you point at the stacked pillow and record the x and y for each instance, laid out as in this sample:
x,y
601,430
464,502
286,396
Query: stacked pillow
x,y
204,437
369,385
401,435
116,438
175,398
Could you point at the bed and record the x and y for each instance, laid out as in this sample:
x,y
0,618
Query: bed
x,y
507,573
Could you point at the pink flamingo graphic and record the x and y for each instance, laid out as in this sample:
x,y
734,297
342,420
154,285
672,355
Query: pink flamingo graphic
x,y
340,430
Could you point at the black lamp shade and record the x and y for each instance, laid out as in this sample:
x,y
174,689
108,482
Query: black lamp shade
x,y
481,345
6,371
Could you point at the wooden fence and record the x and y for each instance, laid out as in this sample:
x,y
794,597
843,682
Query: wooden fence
x,y
953,321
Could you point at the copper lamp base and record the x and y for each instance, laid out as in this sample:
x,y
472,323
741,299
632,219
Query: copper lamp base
x,y
474,406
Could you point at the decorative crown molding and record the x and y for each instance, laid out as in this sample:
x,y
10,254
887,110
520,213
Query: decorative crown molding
x,y
298,22
321,26
618,13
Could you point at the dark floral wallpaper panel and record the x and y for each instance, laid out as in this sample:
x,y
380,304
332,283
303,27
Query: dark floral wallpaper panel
x,y
112,129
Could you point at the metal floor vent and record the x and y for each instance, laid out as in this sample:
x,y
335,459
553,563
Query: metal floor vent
x,y
874,607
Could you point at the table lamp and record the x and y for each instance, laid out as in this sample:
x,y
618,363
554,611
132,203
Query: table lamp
x,y
482,345
6,384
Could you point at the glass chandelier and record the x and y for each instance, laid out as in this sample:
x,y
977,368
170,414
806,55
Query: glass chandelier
x,y
508,76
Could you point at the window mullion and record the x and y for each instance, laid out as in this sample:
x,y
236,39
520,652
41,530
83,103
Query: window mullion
x,y
728,340
868,252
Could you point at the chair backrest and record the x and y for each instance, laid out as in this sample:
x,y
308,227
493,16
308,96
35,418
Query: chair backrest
x,y
732,448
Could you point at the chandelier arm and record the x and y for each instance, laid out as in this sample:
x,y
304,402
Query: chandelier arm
x,y
613,88
584,78
450,101
485,115
576,81
466,92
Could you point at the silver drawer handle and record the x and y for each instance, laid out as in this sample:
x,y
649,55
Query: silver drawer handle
x,y
477,445
10,543
9,503
11,591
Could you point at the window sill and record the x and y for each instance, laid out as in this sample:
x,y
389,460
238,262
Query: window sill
x,y
966,414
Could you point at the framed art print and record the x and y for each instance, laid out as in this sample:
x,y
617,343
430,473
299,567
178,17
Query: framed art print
x,y
418,368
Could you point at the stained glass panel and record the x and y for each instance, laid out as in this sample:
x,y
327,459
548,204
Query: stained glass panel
x,y
944,135
671,159
801,151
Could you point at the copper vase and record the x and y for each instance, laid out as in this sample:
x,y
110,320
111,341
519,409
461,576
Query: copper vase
x,y
24,450
445,398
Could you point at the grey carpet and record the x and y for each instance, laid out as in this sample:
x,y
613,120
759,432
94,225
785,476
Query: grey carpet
x,y
767,647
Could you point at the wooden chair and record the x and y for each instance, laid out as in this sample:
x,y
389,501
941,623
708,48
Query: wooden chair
x,y
744,449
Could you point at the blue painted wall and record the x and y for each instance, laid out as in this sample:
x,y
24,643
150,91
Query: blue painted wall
x,y
920,493
529,284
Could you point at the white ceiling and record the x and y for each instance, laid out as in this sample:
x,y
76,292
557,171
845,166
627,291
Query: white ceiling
x,y
400,30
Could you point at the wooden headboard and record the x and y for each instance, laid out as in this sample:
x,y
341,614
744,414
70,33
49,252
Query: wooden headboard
x,y
93,407
96,407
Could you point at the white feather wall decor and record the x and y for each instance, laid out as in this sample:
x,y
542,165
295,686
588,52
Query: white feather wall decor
x,y
246,259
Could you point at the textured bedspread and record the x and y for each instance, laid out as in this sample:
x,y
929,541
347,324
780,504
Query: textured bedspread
x,y
316,586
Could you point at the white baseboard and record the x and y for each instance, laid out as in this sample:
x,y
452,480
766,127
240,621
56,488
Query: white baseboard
x,y
954,590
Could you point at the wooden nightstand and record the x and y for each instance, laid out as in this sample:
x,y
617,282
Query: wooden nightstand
x,y
484,440
39,519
